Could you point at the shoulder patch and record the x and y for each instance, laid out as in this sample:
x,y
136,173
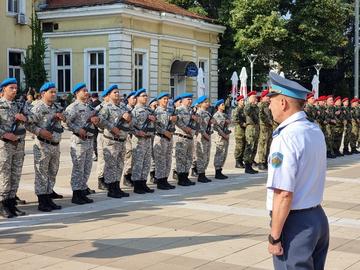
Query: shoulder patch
x,y
276,159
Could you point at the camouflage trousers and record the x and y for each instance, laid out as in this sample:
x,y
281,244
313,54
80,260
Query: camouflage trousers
x,y
354,135
47,160
252,137
81,155
329,131
152,166
193,164
162,150
202,153
338,135
100,162
141,158
128,155
239,142
264,143
347,135
114,152
183,154
221,150
11,163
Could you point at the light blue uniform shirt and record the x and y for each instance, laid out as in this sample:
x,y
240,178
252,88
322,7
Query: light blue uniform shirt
x,y
297,162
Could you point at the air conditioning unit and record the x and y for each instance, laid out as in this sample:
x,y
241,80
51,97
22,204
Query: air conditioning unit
x,y
21,19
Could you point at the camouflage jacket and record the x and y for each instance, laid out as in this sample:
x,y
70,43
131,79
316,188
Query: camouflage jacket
x,y
220,125
265,115
311,112
162,120
110,115
238,116
347,114
183,119
43,118
339,116
204,117
77,115
329,115
251,112
140,121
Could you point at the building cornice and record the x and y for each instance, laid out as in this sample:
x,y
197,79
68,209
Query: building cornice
x,y
131,11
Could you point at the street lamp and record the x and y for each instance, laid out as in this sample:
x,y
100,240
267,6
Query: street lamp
x,y
252,59
318,67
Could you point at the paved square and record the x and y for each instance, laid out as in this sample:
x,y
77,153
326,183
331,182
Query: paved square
x,y
219,225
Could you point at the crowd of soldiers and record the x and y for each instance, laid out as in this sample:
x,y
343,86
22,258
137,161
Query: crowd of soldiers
x,y
133,137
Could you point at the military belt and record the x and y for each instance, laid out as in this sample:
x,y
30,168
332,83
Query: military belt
x,y
47,141
183,136
85,137
10,141
114,139
162,136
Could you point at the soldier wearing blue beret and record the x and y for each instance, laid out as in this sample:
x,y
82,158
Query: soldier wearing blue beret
x,y
299,235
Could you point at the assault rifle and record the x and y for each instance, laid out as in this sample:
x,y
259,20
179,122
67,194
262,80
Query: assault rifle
x,y
208,128
192,123
171,126
51,126
145,127
120,123
88,125
15,126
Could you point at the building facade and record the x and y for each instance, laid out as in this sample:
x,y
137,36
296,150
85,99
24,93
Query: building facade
x,y
132,43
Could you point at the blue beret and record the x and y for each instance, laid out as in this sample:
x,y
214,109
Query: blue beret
x,y
108,90
131,94
46,86
286,87
218,102
186,95
201,99
153,100
78,87
177,99
8,81
161,95
138,92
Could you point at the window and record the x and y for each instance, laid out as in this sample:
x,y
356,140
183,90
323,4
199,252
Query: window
x,y
63,72
203,63
96,70
15,65
172,86
13,6
139,70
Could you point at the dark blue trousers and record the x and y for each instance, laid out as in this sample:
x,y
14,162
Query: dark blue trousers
x,y
305,240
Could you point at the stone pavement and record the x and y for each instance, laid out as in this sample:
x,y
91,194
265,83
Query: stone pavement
x,y
219,225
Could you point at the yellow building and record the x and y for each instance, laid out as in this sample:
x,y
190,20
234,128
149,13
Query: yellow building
x,y
132,43
15,36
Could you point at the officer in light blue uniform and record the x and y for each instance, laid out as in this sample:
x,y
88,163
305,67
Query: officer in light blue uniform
x,y
299,236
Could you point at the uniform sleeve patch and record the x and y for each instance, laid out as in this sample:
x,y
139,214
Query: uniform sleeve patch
x,y
276,159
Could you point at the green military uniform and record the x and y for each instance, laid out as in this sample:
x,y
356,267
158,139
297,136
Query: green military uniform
x,y
329,129
347,129
311,112
355,122
251,132
266,121
238,118
338,129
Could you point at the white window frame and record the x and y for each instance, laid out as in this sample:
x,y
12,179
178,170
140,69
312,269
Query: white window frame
x,y
23,54
54,67
145,69
21,8
206,73
87,52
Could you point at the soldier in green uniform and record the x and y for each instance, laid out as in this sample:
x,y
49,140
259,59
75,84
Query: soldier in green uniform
x,y
347,125
265,135
339,126
355,125
238,118
310,109
330,125
251,111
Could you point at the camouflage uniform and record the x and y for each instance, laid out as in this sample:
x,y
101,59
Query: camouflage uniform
x,y
113,147
265,135
238,118
251,132
202,146
311,112
347,127
338,128
183,141
162,147
222,145
77,115
11,154
128,153
46,153
355,121
141,146
329,128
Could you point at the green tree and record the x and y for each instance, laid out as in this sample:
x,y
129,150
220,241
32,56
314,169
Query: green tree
x,y
33,66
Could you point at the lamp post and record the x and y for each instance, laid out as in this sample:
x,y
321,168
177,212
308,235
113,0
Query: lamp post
x,y
252,58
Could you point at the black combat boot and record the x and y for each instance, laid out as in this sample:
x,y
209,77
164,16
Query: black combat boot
x,y
51,203
5,210
14,209
182,180
43,203
354,151
113,191
191,183
89,191
77,197
146,188
262,166
119,190
249,169
138,187
84,194
127,180
175,175
330,155
54,195
346,152
101,184
220,175
161,184
19,201
168,184
239,164
202,178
